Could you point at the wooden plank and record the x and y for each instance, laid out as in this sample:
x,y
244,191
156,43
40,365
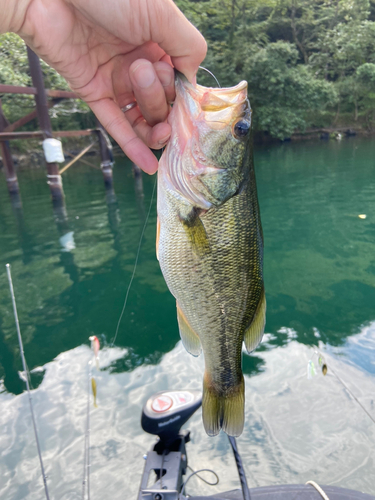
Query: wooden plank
x,y
27,118
16,89
8,136
73,133
63,94
22,121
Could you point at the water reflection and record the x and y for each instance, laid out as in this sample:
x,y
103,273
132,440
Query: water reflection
x,y
9,360
139,191
16,201
296,429
25,237
319,253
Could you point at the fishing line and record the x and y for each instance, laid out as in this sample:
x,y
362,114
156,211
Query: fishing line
x,y
26,378
135,265
213,76
323,365
203,479
194,474
352,395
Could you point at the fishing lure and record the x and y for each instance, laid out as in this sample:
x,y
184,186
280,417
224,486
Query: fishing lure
x,y
95,346
93,385
311,370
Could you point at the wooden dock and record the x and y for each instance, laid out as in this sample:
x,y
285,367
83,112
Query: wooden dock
x,y
44,100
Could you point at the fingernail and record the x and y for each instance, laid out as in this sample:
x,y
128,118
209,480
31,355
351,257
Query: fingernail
x,y
166,78
164,141
144,75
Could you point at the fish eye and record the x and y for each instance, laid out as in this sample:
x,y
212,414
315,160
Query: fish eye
x,y
241,128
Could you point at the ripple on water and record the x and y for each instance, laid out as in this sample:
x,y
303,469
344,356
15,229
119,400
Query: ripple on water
x,y
296,429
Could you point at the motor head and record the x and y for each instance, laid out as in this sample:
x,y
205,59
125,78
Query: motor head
x,y
166,412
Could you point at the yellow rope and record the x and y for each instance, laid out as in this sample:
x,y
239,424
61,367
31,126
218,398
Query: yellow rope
x,y
76,158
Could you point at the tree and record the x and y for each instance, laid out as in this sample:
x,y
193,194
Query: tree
x,y
282,91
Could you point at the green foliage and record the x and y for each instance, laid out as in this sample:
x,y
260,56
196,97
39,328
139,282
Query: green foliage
x,y
14,70
307,62
365,79
302,58
366,74
281,91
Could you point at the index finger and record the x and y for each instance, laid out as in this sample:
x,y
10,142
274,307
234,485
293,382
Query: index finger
x,y
178,37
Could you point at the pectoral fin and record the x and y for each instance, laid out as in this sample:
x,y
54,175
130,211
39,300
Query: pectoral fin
x,y
196,232
254,333
188,336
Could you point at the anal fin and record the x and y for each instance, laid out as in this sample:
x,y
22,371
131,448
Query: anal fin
x,y
188,336
254,333
157,237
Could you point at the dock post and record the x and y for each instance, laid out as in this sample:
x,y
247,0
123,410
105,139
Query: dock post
x,y
54,178
137,174
10,173
106,156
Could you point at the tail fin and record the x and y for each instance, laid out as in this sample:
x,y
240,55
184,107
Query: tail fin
x,y
223,411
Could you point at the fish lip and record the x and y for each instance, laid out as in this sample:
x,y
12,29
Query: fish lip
x,y
197,91
235,89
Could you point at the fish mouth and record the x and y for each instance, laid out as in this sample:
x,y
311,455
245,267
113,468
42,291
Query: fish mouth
x,y
217,107
213,99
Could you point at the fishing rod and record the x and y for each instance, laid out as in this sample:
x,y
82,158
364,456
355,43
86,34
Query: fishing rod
x,y
240,468
86,457
27,378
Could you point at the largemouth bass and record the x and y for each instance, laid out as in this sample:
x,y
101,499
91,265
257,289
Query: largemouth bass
x,y
210,242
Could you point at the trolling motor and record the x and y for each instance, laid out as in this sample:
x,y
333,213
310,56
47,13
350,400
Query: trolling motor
x,y
163,415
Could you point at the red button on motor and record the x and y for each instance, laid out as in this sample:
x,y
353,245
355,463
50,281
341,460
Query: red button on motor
x,y
161,404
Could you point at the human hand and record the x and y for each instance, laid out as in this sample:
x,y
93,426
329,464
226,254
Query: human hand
x,y
112,53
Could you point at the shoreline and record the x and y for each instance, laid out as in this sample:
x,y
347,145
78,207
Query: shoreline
x,y
34,158
323,133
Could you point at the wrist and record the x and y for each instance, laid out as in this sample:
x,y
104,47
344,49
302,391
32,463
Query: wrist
x,y
13,13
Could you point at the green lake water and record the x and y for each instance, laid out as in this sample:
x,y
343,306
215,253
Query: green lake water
x,y
71,271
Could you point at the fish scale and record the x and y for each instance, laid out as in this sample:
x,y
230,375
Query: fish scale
x,y
210,245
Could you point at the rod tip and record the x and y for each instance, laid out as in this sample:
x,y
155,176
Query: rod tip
x,y
7,265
